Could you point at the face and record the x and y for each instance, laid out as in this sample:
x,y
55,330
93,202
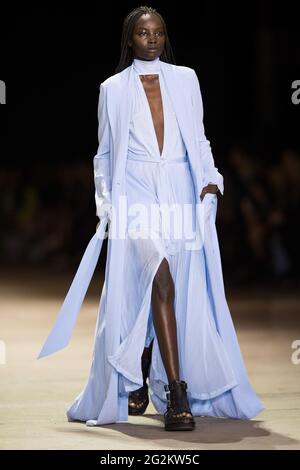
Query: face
x,y
148,37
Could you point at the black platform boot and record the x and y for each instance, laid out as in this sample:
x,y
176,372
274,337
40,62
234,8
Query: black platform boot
x,y
178,405
138,400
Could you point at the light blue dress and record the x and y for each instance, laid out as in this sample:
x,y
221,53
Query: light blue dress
x,y
153,178
209,356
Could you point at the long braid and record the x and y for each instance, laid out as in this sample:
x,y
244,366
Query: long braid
x,y
128,26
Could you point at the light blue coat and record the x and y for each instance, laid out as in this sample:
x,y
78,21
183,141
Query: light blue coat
x,y
114,113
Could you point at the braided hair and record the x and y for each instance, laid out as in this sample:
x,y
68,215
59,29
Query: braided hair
x,y
128,27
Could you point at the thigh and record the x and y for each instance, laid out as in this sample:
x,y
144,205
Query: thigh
x,y
162,281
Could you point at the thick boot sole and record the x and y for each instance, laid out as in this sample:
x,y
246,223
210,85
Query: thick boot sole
x,y
182,425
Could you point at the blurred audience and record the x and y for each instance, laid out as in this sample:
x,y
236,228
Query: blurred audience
x,y
48,215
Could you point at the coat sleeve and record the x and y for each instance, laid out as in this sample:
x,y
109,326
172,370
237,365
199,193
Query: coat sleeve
x,y
211,174
101,161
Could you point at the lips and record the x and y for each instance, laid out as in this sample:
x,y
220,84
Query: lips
x,y
152,48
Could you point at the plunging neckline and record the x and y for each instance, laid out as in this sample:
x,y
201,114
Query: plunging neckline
x,y
150,113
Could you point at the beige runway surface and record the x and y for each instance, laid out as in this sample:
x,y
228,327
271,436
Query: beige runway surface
x,y
34,394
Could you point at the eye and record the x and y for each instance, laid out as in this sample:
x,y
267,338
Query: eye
x,y
145,34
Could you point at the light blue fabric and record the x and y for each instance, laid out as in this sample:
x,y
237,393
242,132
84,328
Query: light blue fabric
x,y
210,357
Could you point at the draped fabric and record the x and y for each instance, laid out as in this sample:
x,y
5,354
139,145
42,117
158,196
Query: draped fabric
x,y
209,354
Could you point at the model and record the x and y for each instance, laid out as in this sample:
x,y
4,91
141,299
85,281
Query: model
x,y
164,326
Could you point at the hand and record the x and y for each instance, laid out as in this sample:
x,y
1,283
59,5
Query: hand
x,y
210,188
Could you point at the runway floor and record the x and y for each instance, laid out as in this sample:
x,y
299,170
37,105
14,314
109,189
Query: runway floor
x,y
34,394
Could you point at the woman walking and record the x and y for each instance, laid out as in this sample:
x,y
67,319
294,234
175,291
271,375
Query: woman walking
x,y
164,329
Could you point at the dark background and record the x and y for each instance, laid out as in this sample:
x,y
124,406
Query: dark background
x,y
246,56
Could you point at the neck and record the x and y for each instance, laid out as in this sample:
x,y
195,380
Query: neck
x,y
144,66
143,58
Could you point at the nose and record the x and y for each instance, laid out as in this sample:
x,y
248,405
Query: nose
x,y
152,36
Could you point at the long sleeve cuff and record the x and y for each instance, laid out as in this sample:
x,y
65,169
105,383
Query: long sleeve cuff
x,y
217,179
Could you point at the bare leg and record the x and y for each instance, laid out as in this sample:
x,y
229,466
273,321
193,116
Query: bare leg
x,y
164,321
